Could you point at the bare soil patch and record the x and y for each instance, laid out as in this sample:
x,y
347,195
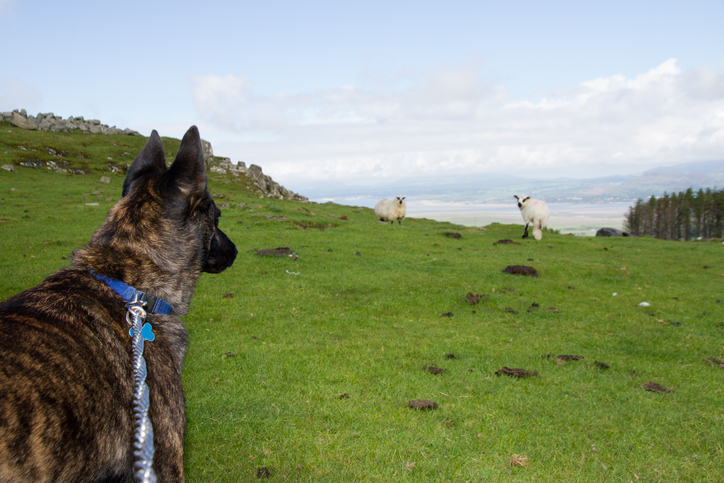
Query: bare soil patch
x,y
506,241
422,404
515,372
473,299
521,270
655,387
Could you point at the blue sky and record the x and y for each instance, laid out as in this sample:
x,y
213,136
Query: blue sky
x,y
359,92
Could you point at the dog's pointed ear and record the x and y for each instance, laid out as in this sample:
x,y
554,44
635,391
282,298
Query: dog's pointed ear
x,y
188,169
150,160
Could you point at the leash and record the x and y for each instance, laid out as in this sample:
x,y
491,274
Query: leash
x,y
140,331
143,437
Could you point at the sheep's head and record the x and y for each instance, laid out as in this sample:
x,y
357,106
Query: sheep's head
x,y
522,200
400,200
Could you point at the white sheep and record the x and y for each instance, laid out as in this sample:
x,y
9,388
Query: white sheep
x,y
391,210
533,211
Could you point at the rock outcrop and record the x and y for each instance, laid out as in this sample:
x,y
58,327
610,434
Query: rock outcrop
x,y
51,122
264,186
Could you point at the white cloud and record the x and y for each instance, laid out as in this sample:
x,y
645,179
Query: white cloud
x,y
453,122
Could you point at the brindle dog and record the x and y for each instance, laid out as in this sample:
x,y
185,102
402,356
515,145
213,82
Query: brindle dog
x,y
66,381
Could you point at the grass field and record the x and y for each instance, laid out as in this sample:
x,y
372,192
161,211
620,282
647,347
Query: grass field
x,y
306,366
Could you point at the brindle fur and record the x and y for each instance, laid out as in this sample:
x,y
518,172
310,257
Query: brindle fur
x,y
66,385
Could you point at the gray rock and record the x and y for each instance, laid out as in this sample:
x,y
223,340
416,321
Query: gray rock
x,y
8,167
105,179
610,232
51,122
23,122
208,150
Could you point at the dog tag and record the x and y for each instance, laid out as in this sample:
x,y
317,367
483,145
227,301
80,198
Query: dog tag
x,y
146,332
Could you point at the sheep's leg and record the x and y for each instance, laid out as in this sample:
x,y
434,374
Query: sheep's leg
x,y
525,233
538,230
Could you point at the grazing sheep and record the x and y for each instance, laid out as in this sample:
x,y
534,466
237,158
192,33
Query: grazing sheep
x,y
391,210
533,211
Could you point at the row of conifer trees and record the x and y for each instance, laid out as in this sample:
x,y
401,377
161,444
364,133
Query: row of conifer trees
x,y
684,216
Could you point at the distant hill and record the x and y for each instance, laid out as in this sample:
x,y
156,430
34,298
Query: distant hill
x,y
497,187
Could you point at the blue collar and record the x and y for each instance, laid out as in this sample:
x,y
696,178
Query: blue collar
x,y
151,303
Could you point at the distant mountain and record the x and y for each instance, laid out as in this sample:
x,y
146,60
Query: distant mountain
x,y
499,188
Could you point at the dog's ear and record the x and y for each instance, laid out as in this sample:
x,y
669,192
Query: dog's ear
x,y
150,160
516,197
188,169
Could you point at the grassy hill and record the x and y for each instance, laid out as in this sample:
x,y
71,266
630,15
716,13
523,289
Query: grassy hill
x,y
306,366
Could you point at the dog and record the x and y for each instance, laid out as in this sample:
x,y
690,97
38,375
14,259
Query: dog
x,y
66,376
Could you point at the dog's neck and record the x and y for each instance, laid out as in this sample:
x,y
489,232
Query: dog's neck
x,y
139,271
131,295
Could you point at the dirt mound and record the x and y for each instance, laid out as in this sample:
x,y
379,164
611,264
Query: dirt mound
x,y
567,357
515,372
422,404
473,299
655,387
507,241
521,270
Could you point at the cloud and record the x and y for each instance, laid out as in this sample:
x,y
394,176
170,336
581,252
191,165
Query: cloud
x,y
452,122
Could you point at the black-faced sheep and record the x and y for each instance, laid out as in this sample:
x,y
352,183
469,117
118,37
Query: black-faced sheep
x,y
391,210
533,211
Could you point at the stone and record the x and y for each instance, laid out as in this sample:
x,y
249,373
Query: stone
x,y
105,179
23,122
8,167
208,149
610,232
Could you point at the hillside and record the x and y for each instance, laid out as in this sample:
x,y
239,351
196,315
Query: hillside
x,y
82,147
304,368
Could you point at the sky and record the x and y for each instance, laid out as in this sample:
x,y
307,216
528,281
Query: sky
x,y
358,93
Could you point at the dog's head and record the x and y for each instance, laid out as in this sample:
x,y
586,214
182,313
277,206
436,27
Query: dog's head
x,y
177,198
522,200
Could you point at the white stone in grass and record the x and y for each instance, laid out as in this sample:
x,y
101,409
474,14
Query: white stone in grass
x,y
644,304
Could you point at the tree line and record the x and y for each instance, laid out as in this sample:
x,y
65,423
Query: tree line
x,y
685,215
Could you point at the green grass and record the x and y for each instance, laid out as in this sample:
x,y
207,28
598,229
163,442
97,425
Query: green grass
x,y
266,366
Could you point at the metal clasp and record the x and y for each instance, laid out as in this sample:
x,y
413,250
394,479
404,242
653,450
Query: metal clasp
x,y
135,307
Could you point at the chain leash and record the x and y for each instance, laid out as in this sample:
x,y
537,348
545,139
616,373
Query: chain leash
x,y
143,437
